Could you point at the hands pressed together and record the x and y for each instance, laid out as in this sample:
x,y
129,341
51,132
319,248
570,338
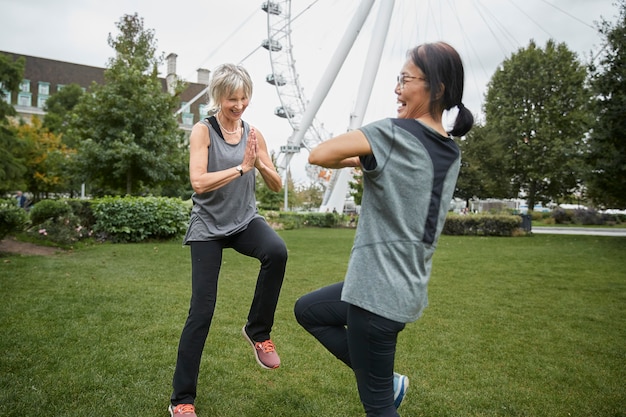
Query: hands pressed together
x,y
250,157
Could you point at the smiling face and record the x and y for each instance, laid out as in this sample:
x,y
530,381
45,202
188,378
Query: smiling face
x,y
413,94
233,105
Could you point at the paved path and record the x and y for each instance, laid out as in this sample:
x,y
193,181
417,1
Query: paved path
x,y
619,231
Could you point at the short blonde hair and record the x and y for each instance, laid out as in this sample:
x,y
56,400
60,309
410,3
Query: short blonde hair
x,y
227,79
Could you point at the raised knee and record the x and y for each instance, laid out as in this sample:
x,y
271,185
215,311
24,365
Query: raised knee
x,y
277,253
299,311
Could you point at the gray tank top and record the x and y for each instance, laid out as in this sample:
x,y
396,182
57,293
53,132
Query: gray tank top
x,y
229,209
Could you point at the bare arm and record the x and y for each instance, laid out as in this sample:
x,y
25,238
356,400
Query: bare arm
x,y
341,151
264,163
203,181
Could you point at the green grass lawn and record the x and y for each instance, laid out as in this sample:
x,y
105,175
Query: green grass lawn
x,y
531,326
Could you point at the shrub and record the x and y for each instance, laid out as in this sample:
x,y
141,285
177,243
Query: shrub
x,y
562,216
54,210
482,225
293,220
12,218
55,221
82,210
134,219
590,217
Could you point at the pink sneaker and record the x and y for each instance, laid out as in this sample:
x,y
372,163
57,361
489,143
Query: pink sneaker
x,y
182,410
264,352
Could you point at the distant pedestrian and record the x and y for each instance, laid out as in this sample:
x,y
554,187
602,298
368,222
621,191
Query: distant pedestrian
x,y
21,199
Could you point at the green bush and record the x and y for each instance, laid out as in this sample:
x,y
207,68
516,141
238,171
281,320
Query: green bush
x,y
482,225
135,219
62,222
562,216
81,208
538,215
12,218
293,220
54,210
585,217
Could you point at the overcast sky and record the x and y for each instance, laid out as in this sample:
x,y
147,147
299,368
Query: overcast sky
x,y
206,34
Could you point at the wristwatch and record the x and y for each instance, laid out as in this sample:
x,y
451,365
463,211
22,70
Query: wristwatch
x,y
240,169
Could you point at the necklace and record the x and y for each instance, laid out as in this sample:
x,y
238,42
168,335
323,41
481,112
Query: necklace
x,y
217,117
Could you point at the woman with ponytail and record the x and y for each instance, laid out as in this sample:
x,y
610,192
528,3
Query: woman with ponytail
x,y
410,166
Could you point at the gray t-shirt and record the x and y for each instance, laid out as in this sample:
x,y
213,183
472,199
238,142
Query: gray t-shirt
x,y
229,209
408,184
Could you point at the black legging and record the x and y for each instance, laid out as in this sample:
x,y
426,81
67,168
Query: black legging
x,y
260,241
364,341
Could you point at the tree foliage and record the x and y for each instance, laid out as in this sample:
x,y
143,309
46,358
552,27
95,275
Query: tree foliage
x,y
128,138
11,166
606,183
45,158
482,165
356,187
59,107
535,107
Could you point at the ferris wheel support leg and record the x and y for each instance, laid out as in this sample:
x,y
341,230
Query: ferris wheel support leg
x,y
327,81
335,197
372,62
331,71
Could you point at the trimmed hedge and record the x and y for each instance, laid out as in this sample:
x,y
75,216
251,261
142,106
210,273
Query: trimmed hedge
x,y
135,219
482,225
293,220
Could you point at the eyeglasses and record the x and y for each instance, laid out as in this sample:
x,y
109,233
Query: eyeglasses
x,y
403,78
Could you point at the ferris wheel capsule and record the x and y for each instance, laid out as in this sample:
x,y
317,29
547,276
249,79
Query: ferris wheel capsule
x,y
271,8
276,79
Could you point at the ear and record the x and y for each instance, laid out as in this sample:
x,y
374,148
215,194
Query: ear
x,y
442,90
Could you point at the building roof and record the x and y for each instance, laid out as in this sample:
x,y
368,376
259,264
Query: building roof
x,y
59,73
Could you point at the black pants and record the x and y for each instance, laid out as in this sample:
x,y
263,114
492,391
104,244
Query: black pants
x,y
260,241
364,341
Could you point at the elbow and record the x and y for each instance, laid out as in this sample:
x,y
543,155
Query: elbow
x,y
195,186
314,158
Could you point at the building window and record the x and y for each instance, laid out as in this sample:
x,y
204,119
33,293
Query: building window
x,y
6,96
44,88
60,87
187,119
25,86
24,99
186,115
41,101
203,109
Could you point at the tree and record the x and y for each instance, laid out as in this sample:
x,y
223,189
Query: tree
x,y
272,200
11,166
59,108
536,107
606,183
128,138
356,186
310,196
45,158
482,165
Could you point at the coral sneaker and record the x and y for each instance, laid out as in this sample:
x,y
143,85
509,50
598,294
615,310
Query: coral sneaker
x,y
264,352
182,410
